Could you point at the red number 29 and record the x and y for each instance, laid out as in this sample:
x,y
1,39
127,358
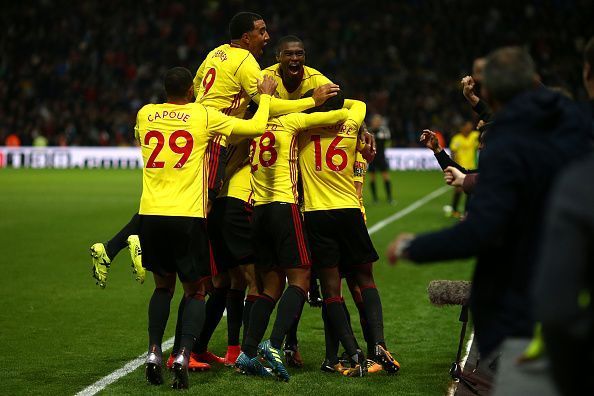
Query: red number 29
x,y
184,150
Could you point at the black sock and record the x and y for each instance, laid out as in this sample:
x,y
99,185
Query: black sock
x,y
250,299
291,338
192,322
178,325
120,240
332,341
214,308
456,200
340,325
234,315
364,326
289,310
158,313
388,185
375,320
259,318
373,190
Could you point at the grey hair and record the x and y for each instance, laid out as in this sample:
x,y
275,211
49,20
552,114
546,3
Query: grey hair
x,y
508,72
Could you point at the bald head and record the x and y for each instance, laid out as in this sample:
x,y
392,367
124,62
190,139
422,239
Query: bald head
x,y
508,72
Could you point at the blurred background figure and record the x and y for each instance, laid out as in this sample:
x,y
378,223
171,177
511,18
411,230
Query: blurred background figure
x,y
463,146
378,126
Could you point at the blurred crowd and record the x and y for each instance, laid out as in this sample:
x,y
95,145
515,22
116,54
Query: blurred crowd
x,y
75,73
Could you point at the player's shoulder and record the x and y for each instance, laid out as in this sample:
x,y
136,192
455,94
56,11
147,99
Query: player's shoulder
x,y
311,73
272,70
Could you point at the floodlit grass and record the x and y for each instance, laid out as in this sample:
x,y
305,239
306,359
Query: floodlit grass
x,y
60,332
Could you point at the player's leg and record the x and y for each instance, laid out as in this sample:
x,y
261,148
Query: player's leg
x,y
235,297
373,308
456,201
102,254
215,307
387,182
158,314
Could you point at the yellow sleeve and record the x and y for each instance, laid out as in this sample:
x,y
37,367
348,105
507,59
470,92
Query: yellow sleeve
x,y
198,77
319,119
226,125
283,106
136,130
357,111
454,143
249,73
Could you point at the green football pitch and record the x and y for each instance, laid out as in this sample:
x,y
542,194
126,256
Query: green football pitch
x,y
60,333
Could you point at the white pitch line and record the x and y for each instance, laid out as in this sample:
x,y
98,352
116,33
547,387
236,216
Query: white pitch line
x,y
410,208
134,364
119,373
454,384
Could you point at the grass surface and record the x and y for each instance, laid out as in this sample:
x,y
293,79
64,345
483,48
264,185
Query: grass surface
x,y
60,332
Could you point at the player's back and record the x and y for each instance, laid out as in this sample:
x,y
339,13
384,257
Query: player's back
x,y
227,80
465,148
173,139
327,157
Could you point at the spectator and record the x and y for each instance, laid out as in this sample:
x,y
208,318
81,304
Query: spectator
x,y
535,133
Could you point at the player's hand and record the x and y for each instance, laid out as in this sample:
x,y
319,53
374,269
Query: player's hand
x,y
100,274
429,139
453,176
267,86
368,152
397,249
323,93
468,90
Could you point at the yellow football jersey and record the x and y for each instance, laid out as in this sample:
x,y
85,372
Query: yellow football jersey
x,y
311,79
274,155
327,159
465,149
173,140
237,172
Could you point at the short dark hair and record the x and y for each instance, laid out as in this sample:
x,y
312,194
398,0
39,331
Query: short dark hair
x,y
508,72
288,39
334,103
589,52
241,23
177,82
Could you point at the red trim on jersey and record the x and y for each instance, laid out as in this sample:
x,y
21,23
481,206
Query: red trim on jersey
x,y
214,161
303,255
204,191
293,167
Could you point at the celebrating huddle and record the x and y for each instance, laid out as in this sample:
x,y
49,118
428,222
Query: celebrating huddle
x,y
232,203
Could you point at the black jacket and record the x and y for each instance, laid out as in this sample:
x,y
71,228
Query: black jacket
x,y
535,135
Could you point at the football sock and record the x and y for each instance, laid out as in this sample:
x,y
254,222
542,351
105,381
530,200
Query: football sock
x,y
373,309
178,325
340,325
259,318
192,321
332,341
158,313
214,309
373,190
456,200
250,299
388,185
120,240
292,333
234,315
364,326
289,310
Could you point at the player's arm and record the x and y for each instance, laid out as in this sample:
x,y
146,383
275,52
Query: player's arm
x,y
198,78
357,111
306,121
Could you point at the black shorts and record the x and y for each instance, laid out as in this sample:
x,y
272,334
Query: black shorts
x,y
229,230
175,244
217,157
379,163
278,237
339,237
